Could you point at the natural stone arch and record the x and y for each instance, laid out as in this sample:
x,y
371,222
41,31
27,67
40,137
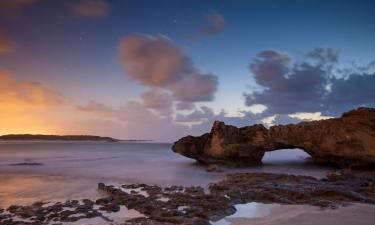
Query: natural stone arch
x,y
346,141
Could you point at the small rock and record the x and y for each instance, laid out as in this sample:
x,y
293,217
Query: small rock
x,y
212,168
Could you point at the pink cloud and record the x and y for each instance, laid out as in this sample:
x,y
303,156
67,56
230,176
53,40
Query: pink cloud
x,y
157,62
158,100
154,60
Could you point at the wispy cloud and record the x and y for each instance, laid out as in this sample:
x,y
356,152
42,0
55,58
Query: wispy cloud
x,y
95,9
215,24
26,94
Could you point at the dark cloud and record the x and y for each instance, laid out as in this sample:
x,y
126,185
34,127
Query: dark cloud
x,y
157,62
349,92
90,8
308,86
287,88
216,24
324,55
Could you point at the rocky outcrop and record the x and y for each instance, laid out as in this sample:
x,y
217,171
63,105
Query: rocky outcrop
x,y
195,205
348,141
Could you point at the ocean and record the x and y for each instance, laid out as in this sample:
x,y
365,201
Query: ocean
x,y
72,170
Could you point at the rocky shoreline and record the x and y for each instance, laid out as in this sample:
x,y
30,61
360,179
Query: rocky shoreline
x,y
195,205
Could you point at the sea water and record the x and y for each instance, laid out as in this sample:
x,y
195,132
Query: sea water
x,y
72,170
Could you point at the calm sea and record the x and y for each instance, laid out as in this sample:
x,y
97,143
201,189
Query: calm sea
x,y
73,169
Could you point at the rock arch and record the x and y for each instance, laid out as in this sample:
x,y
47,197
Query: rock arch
x,y
348,141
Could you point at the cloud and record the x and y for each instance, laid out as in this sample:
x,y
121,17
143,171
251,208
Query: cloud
x,y
195,88
216,24
26,106
156,62
185,106
286,88
257,108
349,92
309,116
91,8
136,121
324,55
204,113
93,106
26,94
11,9
307,86
159,101
6,46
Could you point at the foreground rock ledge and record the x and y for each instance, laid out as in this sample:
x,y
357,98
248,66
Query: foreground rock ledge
x,y
195,206
348,141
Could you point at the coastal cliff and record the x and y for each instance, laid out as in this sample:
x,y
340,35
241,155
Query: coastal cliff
x,y
348,141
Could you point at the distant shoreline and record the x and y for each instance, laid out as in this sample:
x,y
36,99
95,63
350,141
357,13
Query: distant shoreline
x,y
42,137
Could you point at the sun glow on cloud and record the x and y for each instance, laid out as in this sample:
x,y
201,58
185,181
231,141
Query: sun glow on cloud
x,y
309,116
22,105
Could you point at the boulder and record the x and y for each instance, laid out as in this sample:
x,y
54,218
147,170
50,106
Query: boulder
x,y
348,141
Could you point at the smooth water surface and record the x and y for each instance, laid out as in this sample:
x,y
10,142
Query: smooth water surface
x,y
73,169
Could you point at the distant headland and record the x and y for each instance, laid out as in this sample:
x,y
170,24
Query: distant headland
x,y
41,137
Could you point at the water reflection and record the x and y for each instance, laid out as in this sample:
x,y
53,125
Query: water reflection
x,y
248,210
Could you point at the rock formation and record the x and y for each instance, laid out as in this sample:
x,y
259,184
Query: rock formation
x,y
348,141
195,205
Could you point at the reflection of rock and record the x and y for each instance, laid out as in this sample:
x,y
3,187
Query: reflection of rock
x,y
348,141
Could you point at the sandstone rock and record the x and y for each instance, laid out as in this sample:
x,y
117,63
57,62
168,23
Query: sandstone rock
x,y
348,141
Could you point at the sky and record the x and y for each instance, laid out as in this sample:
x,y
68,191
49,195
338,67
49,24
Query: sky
x,y
164,69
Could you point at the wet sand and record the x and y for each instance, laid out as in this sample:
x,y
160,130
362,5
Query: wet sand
x,y
354,214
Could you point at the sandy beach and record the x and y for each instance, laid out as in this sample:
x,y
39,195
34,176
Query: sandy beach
x,y
354,214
